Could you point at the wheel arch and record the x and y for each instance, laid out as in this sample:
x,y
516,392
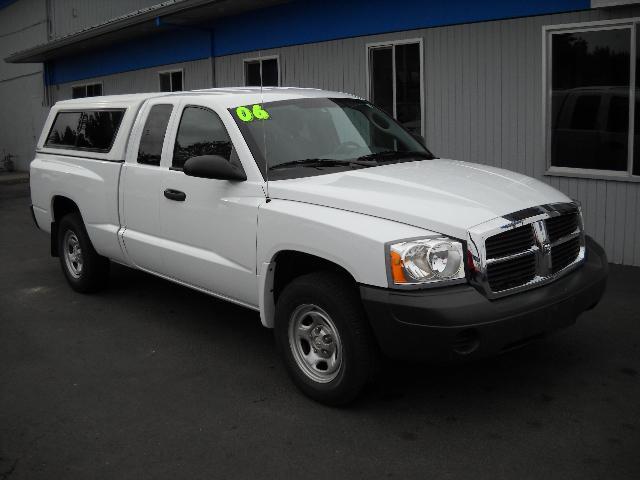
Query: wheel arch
x,y
61,205
285,266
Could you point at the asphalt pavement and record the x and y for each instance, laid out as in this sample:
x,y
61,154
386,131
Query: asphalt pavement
x,y
152,380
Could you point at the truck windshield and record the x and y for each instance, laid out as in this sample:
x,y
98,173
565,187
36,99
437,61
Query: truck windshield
x,y
315,136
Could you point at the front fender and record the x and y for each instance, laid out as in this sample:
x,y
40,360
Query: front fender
x,y
351,240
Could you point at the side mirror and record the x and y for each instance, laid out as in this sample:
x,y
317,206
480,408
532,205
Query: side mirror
x,y
213,166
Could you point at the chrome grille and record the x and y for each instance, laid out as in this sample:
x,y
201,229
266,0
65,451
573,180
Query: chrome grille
x,y
561,226
564,254
526,248
511,273
509,242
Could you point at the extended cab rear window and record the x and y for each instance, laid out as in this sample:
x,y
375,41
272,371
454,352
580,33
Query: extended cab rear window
x,y
93,130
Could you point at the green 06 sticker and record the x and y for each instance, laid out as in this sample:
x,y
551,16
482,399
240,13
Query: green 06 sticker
x,y
256,112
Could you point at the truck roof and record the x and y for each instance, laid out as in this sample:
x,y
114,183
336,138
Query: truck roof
x,y
224,96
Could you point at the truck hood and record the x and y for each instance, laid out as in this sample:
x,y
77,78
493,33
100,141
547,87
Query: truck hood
x,y
444,196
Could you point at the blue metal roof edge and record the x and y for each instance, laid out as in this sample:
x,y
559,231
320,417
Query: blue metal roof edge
x,y
6,3
296,23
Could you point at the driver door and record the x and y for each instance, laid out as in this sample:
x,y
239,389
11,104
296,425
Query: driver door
x,y
208,225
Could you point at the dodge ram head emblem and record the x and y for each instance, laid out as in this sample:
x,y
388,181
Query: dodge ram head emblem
x,y
544,247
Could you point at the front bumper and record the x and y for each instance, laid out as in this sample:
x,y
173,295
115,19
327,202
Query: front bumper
x,y
458,322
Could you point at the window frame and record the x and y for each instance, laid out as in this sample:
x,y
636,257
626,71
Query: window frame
x,y
259,60
171,71
85,149
393,43
632,24
85,85
180,113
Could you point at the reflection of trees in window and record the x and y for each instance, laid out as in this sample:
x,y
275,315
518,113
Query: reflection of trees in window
x,y
68,137
583,59
201,132
99,129
155,128
93,130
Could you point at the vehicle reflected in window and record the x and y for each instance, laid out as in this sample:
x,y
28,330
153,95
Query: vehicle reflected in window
x,y
590,99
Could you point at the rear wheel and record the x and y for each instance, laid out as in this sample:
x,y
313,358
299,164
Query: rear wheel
x,y
85,270
324,337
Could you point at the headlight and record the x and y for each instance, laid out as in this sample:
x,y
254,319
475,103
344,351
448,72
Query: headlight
x,y
425,261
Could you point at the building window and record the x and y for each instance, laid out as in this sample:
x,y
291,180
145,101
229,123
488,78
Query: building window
x,y
171,81
261,71
591,104
89,90
395,81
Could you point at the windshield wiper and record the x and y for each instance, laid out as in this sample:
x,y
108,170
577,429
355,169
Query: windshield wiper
x,y
370,160
324,162
390,155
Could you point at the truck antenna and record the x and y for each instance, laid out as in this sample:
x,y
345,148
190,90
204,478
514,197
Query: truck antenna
x,y
264,134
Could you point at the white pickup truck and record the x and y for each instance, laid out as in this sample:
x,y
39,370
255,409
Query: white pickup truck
x,y
321,212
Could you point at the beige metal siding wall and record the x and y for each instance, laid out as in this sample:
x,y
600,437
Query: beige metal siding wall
x,y
197,75
483,85
22,24
69,16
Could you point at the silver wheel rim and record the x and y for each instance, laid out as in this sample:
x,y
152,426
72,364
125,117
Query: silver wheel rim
x,y
72,254
315,343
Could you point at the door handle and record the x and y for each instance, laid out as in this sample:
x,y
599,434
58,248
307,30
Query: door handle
x,y
176,195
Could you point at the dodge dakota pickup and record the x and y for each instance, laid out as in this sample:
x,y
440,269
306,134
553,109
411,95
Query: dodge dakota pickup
x,y
321,212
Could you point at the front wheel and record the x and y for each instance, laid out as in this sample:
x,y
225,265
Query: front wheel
x,y
324,338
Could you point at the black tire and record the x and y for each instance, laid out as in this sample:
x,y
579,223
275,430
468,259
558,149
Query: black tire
x,y
94,272
336,296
